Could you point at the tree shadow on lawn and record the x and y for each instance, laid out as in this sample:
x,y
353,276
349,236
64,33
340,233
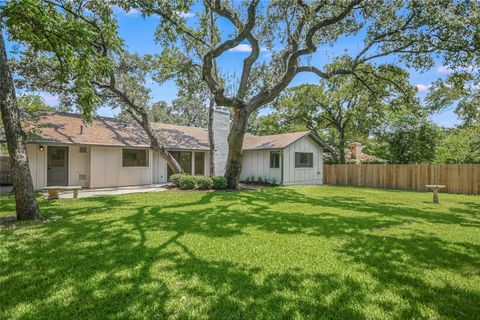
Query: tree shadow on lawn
x,y
94,264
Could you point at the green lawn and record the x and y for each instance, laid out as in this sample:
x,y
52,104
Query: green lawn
x,y
287,252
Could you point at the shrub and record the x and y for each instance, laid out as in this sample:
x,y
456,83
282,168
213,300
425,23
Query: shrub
x,y
260,180
219,183
274,181
253,178
204,183
187,182
175,178
247,180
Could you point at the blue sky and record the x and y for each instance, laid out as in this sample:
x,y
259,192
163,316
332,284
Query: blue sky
x,y
138,34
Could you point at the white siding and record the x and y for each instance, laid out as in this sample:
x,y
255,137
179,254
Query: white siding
x,y
256,163
78,164
107,170
292,175
38,165
103,167
159,167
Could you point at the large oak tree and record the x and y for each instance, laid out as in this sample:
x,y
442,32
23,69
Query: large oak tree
x,y
82,59
293,31
25,198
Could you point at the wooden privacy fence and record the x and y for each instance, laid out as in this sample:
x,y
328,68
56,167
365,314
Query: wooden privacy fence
x,y
458,178
5,171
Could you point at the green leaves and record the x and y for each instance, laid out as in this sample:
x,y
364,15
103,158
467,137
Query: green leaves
x,y
68,44
460,89
460,145
405,137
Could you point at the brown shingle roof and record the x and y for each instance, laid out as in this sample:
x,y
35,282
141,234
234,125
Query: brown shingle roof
x,y
66,128
277,141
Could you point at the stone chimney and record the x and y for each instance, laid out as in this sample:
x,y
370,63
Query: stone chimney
x,y
221,128
356,150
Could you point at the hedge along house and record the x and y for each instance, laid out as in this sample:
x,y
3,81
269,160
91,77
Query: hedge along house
x,y
108,152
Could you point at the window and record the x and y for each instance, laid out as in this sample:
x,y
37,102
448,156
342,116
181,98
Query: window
x,y
135,158
274,159
199,163
82,149
303,160
184,160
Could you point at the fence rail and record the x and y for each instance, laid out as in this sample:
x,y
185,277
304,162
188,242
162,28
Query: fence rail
x,y
458,178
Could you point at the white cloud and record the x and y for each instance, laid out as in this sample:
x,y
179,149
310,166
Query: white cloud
x,y
119,11
423,87
243,47
447,69
186,15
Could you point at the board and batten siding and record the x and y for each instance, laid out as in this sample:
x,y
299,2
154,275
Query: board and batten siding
x,y
159,167
292,175
256,163
37,161
106,169
78,163
78,166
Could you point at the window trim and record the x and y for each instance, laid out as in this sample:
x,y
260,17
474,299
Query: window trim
x,y
147,159
306,166
277,154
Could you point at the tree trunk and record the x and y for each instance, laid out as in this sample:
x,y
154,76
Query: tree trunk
x,y
341,148
141,117
235,144
26,202
211,110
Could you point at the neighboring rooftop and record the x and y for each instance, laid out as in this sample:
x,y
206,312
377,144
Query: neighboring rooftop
x,y
69,128
354,154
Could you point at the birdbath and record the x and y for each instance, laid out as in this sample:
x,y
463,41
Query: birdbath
x,y
435,188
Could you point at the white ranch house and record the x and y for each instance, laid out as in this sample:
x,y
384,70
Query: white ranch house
x,y
111,153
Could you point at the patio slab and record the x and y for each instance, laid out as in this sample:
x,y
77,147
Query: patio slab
x,y
87,192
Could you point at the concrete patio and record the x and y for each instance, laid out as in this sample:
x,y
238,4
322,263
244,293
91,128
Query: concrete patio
x,y
87,192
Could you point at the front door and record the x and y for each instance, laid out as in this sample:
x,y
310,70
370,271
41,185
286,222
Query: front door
x,y
57,166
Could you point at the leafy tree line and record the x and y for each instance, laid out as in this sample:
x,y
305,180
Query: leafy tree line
x,y
395,132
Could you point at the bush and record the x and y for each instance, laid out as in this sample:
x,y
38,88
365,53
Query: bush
x,y
204,183
259,180
187,182
274,181
175,178
247,180
219,183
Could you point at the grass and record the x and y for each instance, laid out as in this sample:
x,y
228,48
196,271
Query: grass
x,y
287,252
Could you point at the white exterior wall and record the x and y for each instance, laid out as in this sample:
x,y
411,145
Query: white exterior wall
x,y
38,165
107,171
292,175
257,163
159,168
103,167
78,164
